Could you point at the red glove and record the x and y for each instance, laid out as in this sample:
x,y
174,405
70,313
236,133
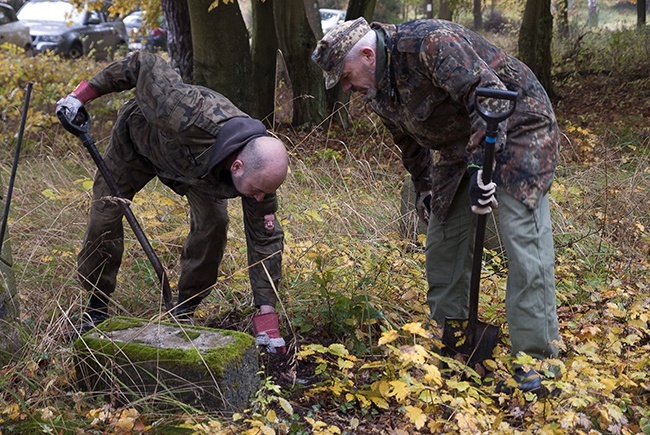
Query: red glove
x,y
267,333
76,99
85,92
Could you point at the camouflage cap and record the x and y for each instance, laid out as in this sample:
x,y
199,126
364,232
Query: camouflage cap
x,y
335,45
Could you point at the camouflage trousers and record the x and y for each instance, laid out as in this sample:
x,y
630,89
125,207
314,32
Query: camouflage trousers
x,y
101,254
530,289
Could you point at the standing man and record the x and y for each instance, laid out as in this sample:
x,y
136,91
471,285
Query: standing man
x,y
420,77
203,147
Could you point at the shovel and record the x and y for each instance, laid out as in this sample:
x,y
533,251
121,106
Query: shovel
x,y
14,167
469,339
79,126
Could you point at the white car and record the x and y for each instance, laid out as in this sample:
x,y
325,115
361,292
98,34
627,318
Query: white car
x,y
330,18
13,31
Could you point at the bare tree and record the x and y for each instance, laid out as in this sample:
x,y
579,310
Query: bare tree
x,y
265,46
535,38
641,13
592,13
179,36
222,59
296,40
562,17
478,15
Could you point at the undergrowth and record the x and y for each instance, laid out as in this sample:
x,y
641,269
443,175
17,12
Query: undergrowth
x,y
353,301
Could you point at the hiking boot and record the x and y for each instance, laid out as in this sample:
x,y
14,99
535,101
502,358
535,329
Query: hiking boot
x,y
184,313
526,381
96,313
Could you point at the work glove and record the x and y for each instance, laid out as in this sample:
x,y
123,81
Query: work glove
x,y
267,333
77,99
481,196
423,205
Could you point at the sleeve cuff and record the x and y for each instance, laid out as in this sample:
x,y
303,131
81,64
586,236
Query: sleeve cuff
x,y
85,92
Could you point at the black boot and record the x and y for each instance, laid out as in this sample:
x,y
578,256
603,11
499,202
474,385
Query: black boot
x,y
96,312
183,312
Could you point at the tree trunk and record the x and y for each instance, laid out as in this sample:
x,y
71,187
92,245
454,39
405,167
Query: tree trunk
x,y
222,57
361,8
592,8
640,13
535,38
478,15
297,41
446,11
265,46
429,8
562,20
179,36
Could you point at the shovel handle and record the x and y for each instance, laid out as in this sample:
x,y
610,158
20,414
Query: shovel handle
x,y
14,167
79,126
492,119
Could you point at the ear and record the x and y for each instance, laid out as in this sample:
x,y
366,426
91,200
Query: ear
x,y
236,167
368,54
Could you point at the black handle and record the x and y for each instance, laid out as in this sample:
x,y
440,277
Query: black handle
x,y
492,119
14,167
79,126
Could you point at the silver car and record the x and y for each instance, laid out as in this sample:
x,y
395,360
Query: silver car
x,y
60,27
13,31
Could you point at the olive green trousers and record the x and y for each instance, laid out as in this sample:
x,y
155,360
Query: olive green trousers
x,y
530,290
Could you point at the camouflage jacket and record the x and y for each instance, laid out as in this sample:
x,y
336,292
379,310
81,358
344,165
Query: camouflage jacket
x,y
425,96
174,125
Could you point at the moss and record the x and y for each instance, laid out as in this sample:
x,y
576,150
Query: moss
x,y
215,359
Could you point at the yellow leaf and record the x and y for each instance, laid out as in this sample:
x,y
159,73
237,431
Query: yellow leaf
x,y
466,423
388,337
50,194
285,405
417,417
271,416
379,402
314,215
338,349
399,390
416,329
432,374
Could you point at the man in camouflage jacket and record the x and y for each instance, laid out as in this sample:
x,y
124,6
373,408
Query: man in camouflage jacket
x,y
420,77
203,147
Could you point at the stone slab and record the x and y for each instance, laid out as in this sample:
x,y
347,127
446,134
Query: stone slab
x,y
167,364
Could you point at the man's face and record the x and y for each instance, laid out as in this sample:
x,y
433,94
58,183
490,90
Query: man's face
x,y
358,74
251,186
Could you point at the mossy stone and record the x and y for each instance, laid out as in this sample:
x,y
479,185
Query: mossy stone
x,y
166,363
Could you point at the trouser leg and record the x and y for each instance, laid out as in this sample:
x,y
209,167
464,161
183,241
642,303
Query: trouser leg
x,y
449,248
264,246
203,249
530,289
103,245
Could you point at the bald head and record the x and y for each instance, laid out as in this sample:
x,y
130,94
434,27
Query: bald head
x,y
260,168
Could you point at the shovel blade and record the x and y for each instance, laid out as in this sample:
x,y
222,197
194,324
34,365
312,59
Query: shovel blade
x,y
456,343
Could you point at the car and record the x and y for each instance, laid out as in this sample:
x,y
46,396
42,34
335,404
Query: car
x,y
156,38
13,31
330,18
60,27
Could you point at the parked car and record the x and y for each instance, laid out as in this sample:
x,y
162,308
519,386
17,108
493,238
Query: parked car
x,y
60,27
155,40
13,31
330,18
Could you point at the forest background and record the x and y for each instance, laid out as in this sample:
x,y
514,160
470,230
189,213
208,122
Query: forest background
x,y
353,296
